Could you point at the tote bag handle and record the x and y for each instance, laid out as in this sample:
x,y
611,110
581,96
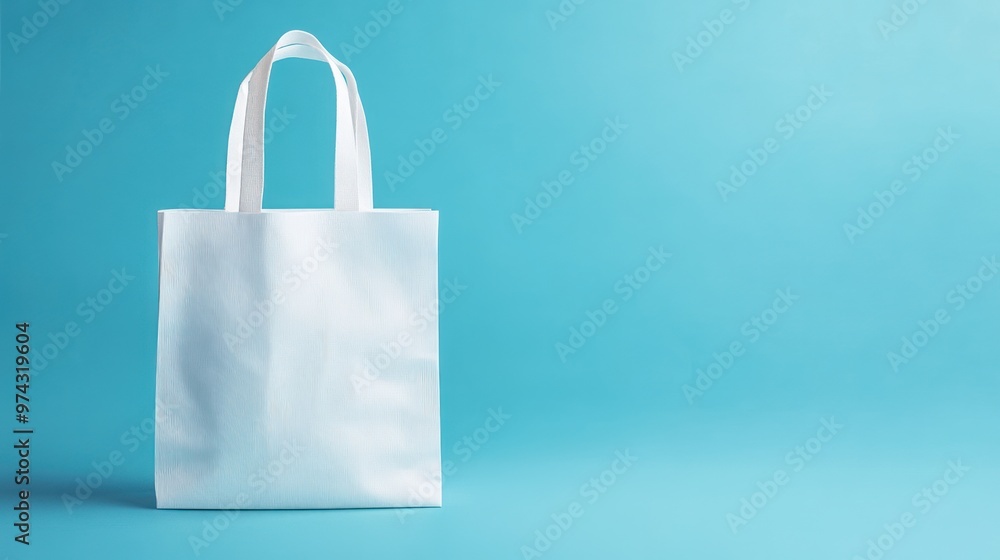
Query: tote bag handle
x,y
245,158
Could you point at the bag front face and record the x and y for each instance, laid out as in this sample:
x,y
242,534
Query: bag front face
x,y
297,360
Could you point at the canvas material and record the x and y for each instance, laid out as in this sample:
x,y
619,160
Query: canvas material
x,y
297,357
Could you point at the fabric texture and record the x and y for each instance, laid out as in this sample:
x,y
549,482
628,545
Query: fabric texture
x,y
297,354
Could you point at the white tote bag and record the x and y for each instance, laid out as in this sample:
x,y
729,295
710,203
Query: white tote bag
x,y
297,363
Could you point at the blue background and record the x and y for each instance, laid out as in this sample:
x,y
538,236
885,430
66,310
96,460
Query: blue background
x,y
655,185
